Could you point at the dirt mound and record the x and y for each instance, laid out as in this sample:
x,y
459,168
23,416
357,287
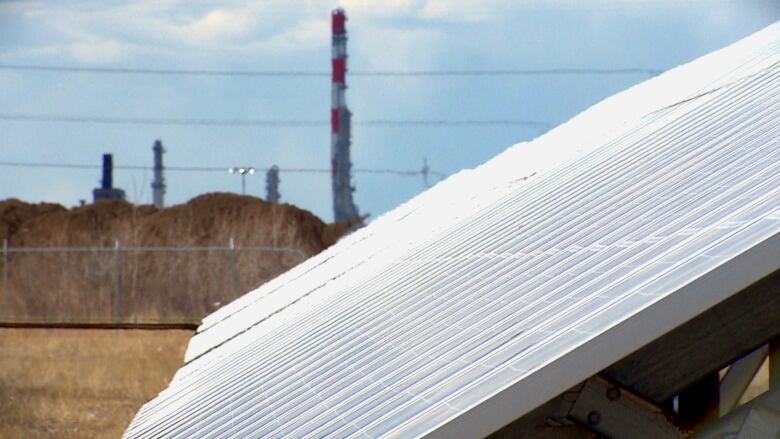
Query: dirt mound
x,y
140,263
214,219
14,213
210,219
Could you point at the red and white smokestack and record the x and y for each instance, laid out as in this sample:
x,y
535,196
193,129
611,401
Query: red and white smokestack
x,y
343,206
338,80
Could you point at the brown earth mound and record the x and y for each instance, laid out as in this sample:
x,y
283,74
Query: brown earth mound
x,y
138,263
14,213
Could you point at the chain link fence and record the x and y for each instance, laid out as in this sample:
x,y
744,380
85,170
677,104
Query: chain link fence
x,y
147,285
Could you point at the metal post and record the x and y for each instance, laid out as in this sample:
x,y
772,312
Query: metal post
x,y
234,268
5,313
243,171
117,280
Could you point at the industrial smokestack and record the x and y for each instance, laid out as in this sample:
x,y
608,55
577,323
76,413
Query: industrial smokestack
x,y
108,172
158,184
272,194
344,208
106,191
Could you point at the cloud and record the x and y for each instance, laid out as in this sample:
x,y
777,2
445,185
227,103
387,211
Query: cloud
x,y
425,10
459,10
303,35
382,8
98,50
400,49
171,29
215,26
94,51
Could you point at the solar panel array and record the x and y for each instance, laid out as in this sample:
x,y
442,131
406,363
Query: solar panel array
x,y
386,334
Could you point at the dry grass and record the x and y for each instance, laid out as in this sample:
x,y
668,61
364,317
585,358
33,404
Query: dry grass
x,y
90,383
141,285
81,383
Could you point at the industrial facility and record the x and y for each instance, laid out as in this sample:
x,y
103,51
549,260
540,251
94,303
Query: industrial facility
x,y
344,209
107,191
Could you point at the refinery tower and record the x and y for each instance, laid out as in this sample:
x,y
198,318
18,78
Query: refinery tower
x,y
344,208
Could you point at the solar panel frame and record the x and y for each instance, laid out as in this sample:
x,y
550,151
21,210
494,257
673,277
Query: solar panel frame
x,y
675,309
704,264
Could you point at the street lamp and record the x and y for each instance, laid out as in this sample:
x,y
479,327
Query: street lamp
x,y
243,171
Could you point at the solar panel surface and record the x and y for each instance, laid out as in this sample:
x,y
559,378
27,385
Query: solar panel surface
x,y
494,288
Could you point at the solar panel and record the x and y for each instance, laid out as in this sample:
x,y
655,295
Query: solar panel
x,y
512,282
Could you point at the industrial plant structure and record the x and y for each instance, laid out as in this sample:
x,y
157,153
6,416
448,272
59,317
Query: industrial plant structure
x,y
107,191
158,184
344,209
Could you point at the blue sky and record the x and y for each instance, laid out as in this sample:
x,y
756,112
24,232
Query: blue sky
x,y
398,35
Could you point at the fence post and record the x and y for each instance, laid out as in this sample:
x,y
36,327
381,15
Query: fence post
x,y
117,279
234,268
5,314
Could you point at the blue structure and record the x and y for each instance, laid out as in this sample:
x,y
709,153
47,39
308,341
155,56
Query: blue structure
x,y
106,191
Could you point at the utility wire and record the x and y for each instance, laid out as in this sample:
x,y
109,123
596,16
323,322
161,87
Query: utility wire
x,y
266,122
556,71
561,71
159,121
401,172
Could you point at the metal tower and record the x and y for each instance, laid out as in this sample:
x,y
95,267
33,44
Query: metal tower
x,y
344,208
158,184
272,194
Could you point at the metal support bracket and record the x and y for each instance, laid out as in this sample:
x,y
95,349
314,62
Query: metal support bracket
x,y
617,413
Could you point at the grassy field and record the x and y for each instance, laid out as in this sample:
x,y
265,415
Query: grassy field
x,y
113,262
81,383
78,383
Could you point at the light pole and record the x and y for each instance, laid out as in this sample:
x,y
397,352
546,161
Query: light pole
x,y
243,171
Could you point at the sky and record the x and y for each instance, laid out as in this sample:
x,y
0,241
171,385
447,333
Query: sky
x,y
294,36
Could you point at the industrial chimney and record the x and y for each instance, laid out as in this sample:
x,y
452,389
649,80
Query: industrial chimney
x,y
344,209
272,194
107,191
158,184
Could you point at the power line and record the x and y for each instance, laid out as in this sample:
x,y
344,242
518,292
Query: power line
x,y
400,172
555,71
558,71
451,123
159,121
297,123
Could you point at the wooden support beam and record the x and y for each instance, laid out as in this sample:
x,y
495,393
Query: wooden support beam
x,y
617,413
704,344
774,364
698,402
739,377
664,367
757,418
